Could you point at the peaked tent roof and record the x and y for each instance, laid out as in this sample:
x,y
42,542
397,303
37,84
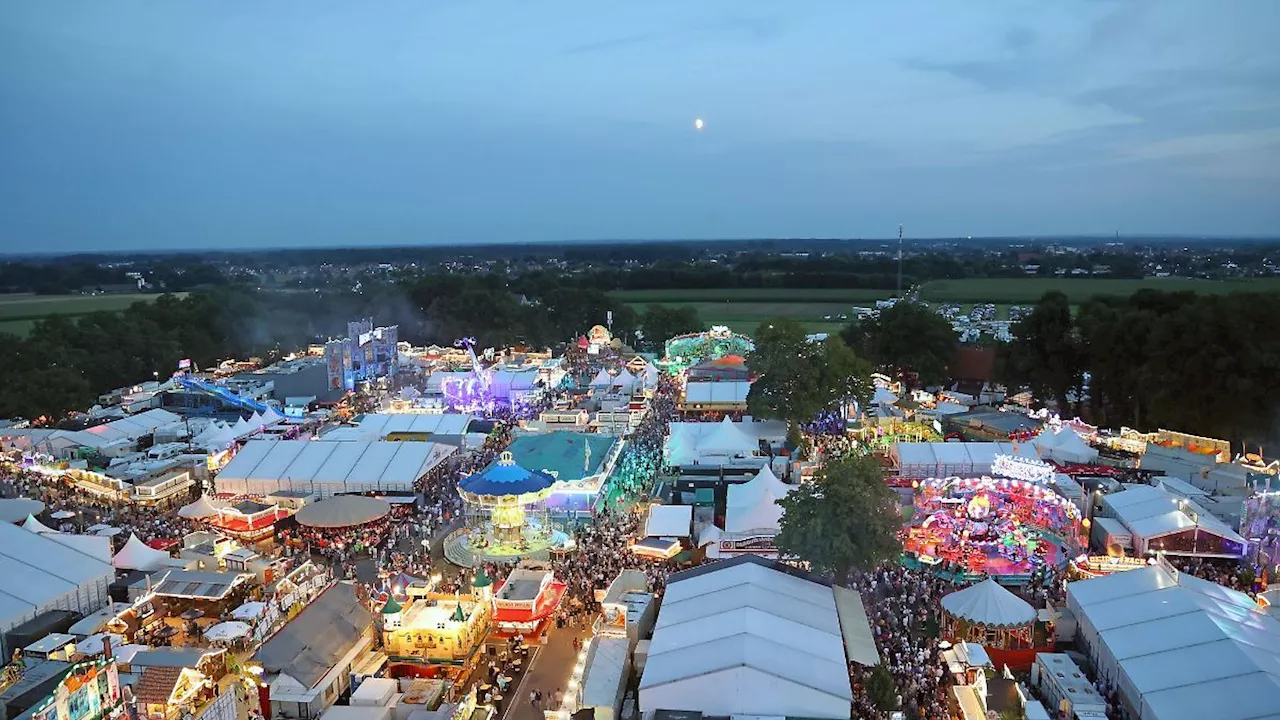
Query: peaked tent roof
x,y
137,555
15,510
201,508
747,494
727,439
602,379
35,526
988,603
765,514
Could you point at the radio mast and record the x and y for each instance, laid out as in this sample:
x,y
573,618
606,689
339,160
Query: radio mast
x,y
899,261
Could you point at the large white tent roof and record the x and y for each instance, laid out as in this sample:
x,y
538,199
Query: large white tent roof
x,y
1182,647
1149,512
204,507
944,459
748,493
125,429
688,442
717,392
31,524
34,569
1065,445
265,466
343,511
745,638
764,514
377,426
15,510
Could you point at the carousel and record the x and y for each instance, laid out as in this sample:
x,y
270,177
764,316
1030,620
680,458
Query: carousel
x,y
976,526
506,512
1003,623
684,351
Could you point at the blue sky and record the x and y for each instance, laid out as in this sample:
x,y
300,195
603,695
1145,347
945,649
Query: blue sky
x,y
305,122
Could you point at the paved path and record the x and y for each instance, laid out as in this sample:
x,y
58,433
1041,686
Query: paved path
x,y
550,672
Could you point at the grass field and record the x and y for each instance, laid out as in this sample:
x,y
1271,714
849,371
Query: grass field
x,y
742,309
1005,291
19,313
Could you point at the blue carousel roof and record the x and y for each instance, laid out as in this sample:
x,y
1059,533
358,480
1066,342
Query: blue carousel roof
x,y
505,477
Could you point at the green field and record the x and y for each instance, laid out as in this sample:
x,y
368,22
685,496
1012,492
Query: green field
x,y
19,313
1015,291
742,309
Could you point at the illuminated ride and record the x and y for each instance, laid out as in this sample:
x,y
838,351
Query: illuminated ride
x,y
684,351
506,512
470,393
985,525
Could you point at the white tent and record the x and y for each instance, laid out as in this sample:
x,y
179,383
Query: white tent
x,y
325,468
343,511
883,396
988,603
271,417
650,375
748,494
674,521
625,380
201,508
15,510
40,574
747,637
137,555
249,611
727,439
1065,446
602,380
764,514
242,428
108,532
35,526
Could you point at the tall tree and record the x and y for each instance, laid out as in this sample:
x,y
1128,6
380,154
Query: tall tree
x,y
846,519
912,342
663,322
799,379
1044,354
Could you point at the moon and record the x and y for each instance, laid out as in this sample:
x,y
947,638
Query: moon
x,y
697,124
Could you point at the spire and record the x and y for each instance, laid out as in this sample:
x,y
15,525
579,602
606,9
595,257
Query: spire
x,y
482,579
391,607
458,614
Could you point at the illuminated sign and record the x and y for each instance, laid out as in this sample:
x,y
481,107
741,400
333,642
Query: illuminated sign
x,y
758,544
89,692
1020,468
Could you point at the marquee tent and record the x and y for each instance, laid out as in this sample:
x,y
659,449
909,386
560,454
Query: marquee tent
x,y
33,525
746,494
43,574
137,555
1064,446
204,507
1160,520
947,459
264,467
1178,647
602,379
377,426
343,511
748,636
764,514
15,510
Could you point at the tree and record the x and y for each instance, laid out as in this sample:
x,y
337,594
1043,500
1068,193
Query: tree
x,y
846,519
1044,354
881,690
663,322
798,379
911,341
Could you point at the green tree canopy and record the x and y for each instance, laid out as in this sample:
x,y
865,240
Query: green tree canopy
x,y
912,342
799,379
1044,354
846,519
663,322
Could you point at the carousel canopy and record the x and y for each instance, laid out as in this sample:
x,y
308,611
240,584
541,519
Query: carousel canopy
x,y
136,555
343,511
505,477
15,510
202,508
988,603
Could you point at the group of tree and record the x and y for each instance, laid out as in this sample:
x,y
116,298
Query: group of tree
x,y
799,379
659,323
1205,364
908,341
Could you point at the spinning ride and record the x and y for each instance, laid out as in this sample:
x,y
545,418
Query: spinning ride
x,y
982,525
506,512
683,351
